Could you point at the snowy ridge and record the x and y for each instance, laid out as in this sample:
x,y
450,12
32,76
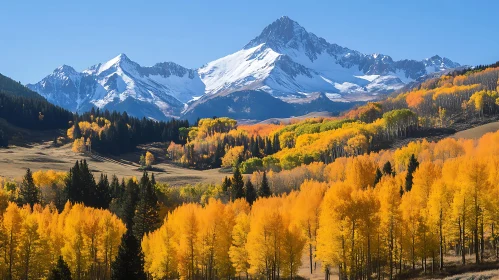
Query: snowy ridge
x,y
161,90
284,60
287,61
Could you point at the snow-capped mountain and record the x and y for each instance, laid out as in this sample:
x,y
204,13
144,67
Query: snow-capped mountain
x,y
288,62
120,84
285,61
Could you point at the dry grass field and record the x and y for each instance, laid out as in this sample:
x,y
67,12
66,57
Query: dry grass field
x,y
43,155
478,131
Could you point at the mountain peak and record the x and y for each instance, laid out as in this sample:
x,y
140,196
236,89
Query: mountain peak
x,y
121,57
120,61
280,32
65,69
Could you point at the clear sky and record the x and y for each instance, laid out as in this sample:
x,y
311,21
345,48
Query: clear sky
x,y
38,36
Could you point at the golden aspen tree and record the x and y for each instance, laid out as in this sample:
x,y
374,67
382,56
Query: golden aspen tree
x,y
211,227
410,212
360,172
111,228
149,159
306,213
264,238
439,205
293,243
12,229
79,145
330,235
238,252
187,223
369,207
160,252
29,244
389,197
474,175
341,220
74,252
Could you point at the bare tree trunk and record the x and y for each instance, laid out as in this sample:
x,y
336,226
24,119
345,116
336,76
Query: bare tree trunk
x,y
441,266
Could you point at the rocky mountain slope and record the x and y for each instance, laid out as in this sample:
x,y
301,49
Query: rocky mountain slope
x,y
285,62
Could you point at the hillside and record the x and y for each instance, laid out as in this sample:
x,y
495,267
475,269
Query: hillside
x,y
26,109
435,108
9,86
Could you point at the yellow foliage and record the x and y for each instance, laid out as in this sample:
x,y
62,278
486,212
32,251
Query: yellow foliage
x,y
79,145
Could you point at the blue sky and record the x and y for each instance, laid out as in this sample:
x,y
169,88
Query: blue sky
x,y
38,36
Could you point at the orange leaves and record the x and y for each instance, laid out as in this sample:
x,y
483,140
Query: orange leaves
x,y
260,129
415,98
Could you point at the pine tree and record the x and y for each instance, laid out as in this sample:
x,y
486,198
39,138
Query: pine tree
x,y
102,193
254,149
264,190
146,217
378,176
250,192
276,145
217,156
153,180
128,203
80,185
387,168
412,166
226,184
129,264
60,271
71,187
76,131
268,147
28,192
237,185
116,189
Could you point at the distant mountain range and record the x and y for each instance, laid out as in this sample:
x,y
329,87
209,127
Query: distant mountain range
x,y
285,71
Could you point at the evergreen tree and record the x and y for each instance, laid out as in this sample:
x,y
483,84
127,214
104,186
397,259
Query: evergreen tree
x,y
378,176
129,203
76,131
102,194
116,189
254,149
80,185
237,184
60,271
264,190
226,184
146,217
268,147
217,156
276,145
153,180
387,168
59,197
28,192
129,264
250,192
411,167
